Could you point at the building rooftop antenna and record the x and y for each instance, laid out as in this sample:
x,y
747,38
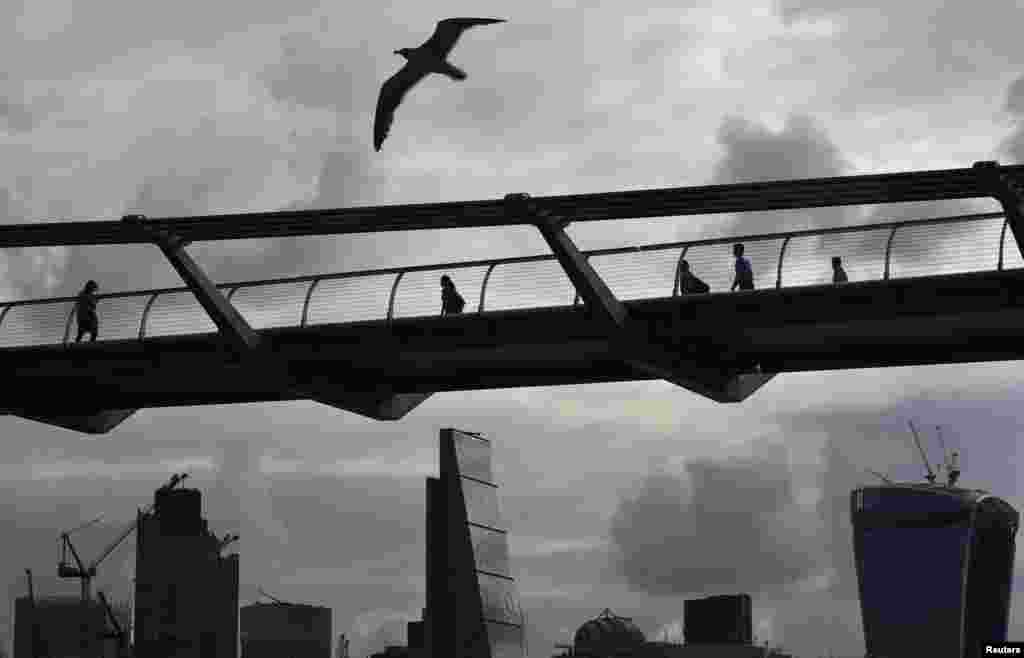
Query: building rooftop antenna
x,y
952,461
917,441
942,444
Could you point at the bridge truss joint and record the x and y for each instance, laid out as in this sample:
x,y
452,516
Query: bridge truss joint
x,y
246,343
639,350
588,283
1008,192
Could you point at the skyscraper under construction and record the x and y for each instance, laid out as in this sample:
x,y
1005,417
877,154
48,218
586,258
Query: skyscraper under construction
x,y
186,590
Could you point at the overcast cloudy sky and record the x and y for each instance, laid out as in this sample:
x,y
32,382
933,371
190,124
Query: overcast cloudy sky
x,y
632,496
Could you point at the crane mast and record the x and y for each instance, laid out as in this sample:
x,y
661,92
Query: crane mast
x,y
118,631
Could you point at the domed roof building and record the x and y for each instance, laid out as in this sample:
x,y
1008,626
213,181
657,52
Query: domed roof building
x,y
606,635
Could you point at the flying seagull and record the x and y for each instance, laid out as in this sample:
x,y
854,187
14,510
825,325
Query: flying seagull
x,y
431,57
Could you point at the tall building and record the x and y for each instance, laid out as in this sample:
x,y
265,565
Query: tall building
x,y
55,627
270,630
724,619
934,567
186,591
414,637
472,603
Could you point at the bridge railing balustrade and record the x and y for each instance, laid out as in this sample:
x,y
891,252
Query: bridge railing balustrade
x,y
979,242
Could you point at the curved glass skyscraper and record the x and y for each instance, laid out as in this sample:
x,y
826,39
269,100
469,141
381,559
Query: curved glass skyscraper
x,y
934,567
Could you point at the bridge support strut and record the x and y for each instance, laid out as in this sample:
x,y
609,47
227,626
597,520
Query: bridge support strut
x,y
229,321
630,343
595,293
1010,195
378,404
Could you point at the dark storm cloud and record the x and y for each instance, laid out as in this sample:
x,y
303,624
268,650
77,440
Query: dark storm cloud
x,y
736,527
801,149
753,152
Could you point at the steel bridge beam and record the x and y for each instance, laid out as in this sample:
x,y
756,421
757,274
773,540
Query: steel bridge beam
x,y
900,187
100,422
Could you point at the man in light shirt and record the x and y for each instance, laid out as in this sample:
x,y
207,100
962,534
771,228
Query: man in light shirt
x,y
744,274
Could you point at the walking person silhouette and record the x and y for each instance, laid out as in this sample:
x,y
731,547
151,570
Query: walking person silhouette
x,y
744,274
85,311
838,273
451,301
690,282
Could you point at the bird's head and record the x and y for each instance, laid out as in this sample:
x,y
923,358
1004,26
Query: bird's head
x,y
404,52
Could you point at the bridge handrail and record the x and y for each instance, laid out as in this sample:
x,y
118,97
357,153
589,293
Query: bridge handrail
x,y
608,251
491,264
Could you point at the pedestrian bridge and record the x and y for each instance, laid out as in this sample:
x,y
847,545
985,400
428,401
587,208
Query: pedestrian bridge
x,y
922,291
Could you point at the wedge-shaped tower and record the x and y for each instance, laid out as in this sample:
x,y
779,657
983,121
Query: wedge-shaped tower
x,y
472,602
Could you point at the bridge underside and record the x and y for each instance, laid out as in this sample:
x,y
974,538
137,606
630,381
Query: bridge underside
x,y
709,344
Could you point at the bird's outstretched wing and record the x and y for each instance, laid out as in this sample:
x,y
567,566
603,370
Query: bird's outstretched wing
x,y
448,31
391,94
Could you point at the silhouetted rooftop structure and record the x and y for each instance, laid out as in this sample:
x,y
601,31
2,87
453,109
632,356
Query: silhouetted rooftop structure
x,y
608,631
271,630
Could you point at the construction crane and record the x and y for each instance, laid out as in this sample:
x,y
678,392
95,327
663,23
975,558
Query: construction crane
x,y
272,598
87,572
917,441
225,541
879,475
117,631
